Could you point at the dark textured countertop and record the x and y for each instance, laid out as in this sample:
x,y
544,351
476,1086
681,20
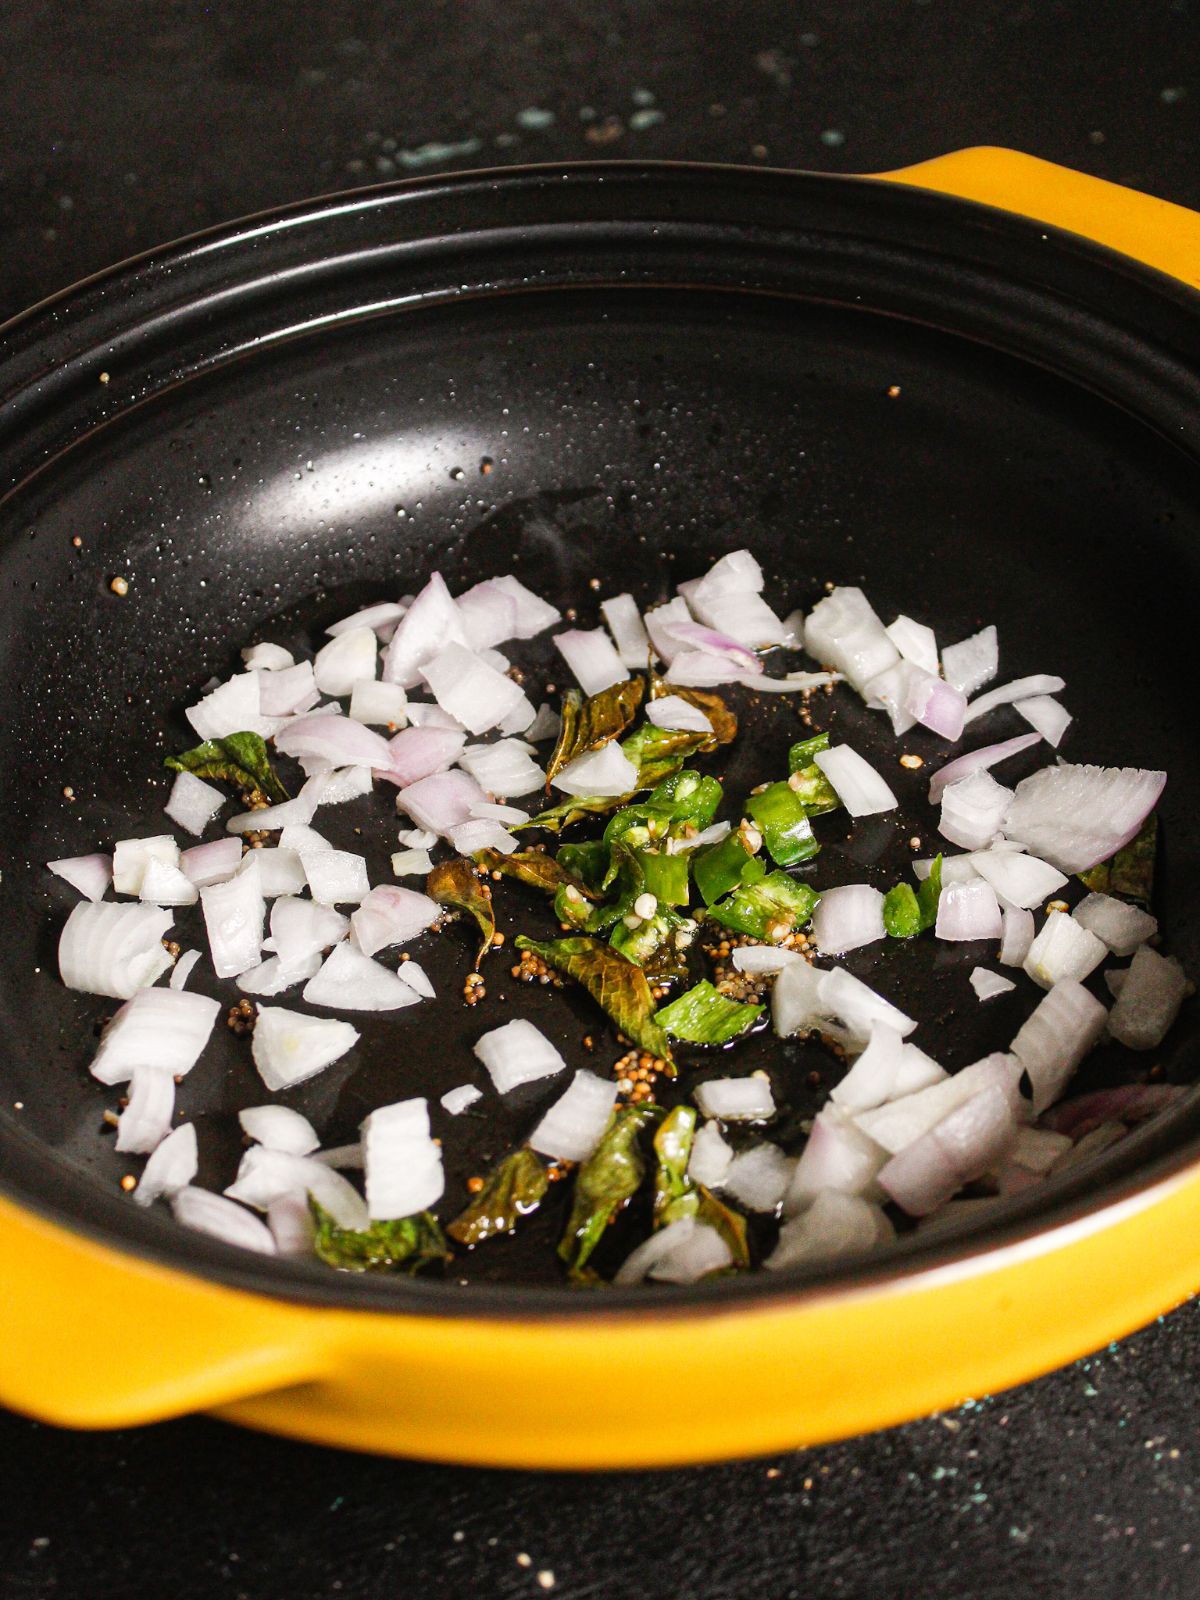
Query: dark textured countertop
x,y
123,124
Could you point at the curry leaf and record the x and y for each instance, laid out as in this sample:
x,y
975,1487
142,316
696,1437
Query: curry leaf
x,y
514,1187
456,883
705,1016
536,868
405,1244
588,724
617,986
240,759
605,1183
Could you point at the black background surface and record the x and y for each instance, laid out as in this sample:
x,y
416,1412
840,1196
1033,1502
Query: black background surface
x,y
124,123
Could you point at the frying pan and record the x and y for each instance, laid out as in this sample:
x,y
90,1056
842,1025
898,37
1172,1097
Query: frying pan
x,y
612,372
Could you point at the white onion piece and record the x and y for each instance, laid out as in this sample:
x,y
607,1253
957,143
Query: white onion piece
x,y
489,811
418,752
960,1148
658,622
145,1120
791,682
222,1219
971,663
673,712
193,803
390,915
340,741
171,1167
472,692
383,705
710,1157
682,1252
291,1223
440,802
286,814
955,869
460,1099
989,755
854,1003
342,784
699,669
232,707
847,918
713,834
182,970
347,659
629,634
503,768
1054,1039
889,691
1037,1149
132,856
987,985
412,863
517,1053
479,833
1155,987
901,1122
266,657
496,659
430,623
342,1155
113,949
834,1225
266,1176
1021,880
271,977
1122,927
736,1099
403,1163
280,872
795,998
289,692
336,877
607,771
872,1079
737,572
973,810
383,617
1019,689
1016,936
572,1127
279,1128
166,886
520,719
416,838
428,714
915,642
233,917
534,614
838,1157
489,615
545,725
740,615
300,928
843,631
164,1030
351,981
758,1177
305,841
290,1047
1047,715
414,975
859,787
1063,949
764,958
710,642
592,659
968,911
1075,816
91,875
211,863
917,1071
934,704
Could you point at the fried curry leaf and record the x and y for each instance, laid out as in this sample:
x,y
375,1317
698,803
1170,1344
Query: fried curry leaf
x,y
724,721
514,1187
673,1147
605,1184
617,986
1129,875
929,893
456,883
561,816
534,867
705,1016
240,759
588,724
405,1244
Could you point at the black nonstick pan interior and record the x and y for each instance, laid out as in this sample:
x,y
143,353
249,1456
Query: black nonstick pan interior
x,y
616,376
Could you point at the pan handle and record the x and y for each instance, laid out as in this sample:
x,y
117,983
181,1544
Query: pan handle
x,y
1154,232
96,1338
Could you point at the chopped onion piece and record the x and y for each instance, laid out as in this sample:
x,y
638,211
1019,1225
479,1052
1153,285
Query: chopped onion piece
x,y
1063,949
1047,715
290,692
968,911
989,755
1019,689
390,915
91,875
211,863
915,642
336,877
847,918
973,810
417,838
171,1167
166,886
764,958
738,572
347,659
489,615
458,1100
844,632
489,811
430,623
607,771
899,1123
961,1147
193,803
628,630
834,1225
1154,989
305,841
1064,1026
573,1126
736,1099
233,916
132,856
336,741
658,622
1016,936
1019,879
987,985
838,1157
342,784
592,659
279,1128
518,1053
222,1219
710,642
520,719
113,949
472,692
300,929
534,615
428,714
164,1030
290,1047
713,834
280,872
232,707
700,669
1122,927
342,1155
710,1158
791,682
478,833
682,1252
503,768
351,981
872,1079
418,752
852,1002
271,977
383,617
673,712
545,725
383,705
146,1119
291,1223
758,1178
859,787
971,663
917,1071
412,863
267,657
403,1163
266,1176
414,975
182,970
741,615
440,802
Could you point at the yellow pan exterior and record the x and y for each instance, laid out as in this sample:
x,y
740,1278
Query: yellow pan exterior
x,y
94,1337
